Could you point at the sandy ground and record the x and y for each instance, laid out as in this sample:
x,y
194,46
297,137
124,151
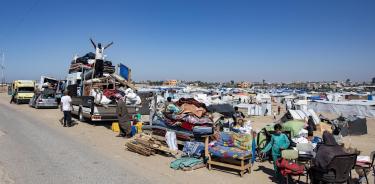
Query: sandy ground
x,y
101,139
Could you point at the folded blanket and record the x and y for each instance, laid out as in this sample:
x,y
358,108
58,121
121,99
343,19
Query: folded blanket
x,y
201,130
242,141
184,162
190,108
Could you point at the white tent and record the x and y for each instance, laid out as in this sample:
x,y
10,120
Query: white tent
x,y
256,109
301,105
302,114
347,108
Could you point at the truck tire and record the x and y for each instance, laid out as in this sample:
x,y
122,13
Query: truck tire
x,y
81,118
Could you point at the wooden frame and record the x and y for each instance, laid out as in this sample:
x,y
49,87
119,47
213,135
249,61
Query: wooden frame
x,y
242,167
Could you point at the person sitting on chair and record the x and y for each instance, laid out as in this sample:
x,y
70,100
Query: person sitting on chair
x,y
327,151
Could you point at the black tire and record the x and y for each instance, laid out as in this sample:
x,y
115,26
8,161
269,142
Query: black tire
x,y
81,118
17,102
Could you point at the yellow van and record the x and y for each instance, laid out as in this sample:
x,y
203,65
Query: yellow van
x,y
23,90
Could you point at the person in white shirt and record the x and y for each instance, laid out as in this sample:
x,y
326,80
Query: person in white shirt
x,y
99,58
99,50
66,107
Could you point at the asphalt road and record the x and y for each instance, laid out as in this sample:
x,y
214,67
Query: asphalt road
x,y
31,152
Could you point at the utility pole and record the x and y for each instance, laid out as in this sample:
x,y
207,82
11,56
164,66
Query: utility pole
x,y
2,69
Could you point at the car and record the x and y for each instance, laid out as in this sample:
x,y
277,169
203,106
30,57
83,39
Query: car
x,y
44,99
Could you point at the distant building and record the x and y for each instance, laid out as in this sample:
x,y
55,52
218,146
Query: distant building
x,y
373,81
170,83
243,85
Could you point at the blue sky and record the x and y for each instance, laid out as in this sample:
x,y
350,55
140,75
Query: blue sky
x,y
210,40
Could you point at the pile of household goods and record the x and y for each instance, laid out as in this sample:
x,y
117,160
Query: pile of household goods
x,y
100,81
146,145
88,62
186,118
111,96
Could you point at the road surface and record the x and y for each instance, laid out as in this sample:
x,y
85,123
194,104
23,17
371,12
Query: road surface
x,y
31,152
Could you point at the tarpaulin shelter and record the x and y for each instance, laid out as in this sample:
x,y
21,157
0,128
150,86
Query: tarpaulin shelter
x,y
351,125
364,108
225,109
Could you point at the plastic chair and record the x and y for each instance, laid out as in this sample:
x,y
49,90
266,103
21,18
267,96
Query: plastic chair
x,y
338,171
367,166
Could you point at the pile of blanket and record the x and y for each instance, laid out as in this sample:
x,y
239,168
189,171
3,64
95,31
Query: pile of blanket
x,y
187,117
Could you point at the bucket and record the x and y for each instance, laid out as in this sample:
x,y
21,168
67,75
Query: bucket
x,y
115,127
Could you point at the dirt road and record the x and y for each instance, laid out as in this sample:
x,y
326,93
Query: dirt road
x,y
35,148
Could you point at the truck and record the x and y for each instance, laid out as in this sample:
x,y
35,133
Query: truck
x,y
80,84
23,90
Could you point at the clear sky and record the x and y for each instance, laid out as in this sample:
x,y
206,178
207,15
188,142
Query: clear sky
x,y
210,40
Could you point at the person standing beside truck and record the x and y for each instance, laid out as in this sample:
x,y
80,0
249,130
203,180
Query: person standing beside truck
x,y
66,107
123,118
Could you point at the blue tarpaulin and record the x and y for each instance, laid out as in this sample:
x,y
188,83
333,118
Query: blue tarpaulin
x,y
124,71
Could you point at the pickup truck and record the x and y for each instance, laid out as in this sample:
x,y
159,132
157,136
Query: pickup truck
x,y
86,110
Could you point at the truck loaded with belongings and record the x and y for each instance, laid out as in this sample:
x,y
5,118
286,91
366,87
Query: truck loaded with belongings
x,y
96,85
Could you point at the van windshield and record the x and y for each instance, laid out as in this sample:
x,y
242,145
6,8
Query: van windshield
x,y
25,89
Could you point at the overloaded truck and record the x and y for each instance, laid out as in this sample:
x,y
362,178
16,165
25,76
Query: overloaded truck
x,y
94,97
23,91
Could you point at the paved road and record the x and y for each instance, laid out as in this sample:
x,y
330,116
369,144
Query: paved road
x,y
31,152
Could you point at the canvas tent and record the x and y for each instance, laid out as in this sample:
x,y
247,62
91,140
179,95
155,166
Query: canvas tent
x,y
347,108
300,115
256,109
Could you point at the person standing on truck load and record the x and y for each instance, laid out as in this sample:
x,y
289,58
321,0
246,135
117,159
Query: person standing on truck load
x,y
99,50
99,58
66,107
123,118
